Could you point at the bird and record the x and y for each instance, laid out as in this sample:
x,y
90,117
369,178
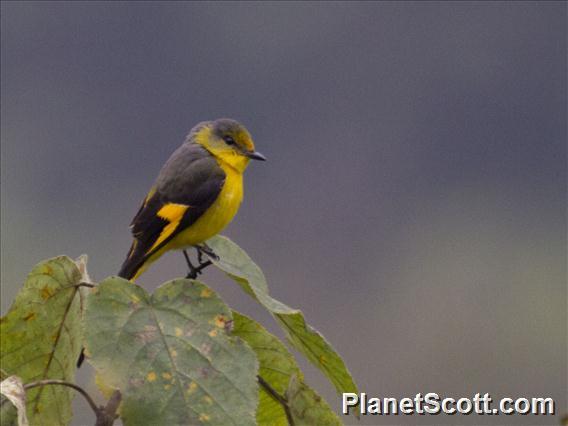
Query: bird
x,y
195,196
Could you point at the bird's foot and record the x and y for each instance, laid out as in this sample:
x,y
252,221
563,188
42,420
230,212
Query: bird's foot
x,y
205,249
194,271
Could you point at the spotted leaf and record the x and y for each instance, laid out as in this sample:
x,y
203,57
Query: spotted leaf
x,y
170,354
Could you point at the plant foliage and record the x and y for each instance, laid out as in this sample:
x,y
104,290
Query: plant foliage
x,y
238,265
40,337
177,356
169,355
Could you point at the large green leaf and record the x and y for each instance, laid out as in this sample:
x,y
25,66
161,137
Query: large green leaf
x,y
307,407
279,369
277,365
40,337
170,355
238,265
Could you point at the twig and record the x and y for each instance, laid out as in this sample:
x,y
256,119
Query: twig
x,y
68,384
89,285
282,400
105,415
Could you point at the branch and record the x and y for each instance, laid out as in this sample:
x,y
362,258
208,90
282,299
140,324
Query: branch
x,y
282,400
83,284
64,383
105,415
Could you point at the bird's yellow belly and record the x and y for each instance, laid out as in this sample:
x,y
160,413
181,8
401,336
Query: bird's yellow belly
x,y
217,217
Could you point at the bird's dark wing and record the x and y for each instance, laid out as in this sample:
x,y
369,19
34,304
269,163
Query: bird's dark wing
x,y
187,186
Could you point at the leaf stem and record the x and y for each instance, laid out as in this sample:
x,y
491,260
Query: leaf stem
x,y
281,399
105,415
83,284
68,384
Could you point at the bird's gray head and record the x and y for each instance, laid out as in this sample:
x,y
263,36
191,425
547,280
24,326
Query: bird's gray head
x,y
226,139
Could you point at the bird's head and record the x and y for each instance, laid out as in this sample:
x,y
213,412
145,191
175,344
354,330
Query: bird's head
x,y
227,140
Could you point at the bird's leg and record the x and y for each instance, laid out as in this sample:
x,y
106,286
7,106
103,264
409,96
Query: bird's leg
x,y
199,255
205,249
201,250
193,271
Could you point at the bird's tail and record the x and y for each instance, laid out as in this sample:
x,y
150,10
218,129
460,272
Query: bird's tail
x,y
133,263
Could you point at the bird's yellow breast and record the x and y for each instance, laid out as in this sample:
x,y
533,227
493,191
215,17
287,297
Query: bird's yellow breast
x,y
218,216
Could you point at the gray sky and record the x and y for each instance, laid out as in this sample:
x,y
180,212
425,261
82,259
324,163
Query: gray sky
x,y
414,204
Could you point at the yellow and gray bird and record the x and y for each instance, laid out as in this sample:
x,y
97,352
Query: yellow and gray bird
x,y
196,195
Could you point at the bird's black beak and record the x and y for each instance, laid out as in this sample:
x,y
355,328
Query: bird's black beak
x,y
255,155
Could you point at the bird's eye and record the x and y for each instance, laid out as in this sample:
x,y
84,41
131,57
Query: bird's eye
x,y
228,140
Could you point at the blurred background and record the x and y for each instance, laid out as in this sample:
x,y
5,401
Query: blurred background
x,y
414,201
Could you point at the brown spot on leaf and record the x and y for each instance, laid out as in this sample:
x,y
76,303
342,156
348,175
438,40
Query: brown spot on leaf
x,y
29,317
220,321
204,372
205,348
136,382
192,387
46,292
148,334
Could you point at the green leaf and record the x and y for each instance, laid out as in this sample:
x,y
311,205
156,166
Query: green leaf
x,y
40,337
238,265
170,355
277,366
307,407
279,369
8,414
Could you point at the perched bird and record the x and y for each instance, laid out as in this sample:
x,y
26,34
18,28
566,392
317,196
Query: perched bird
x,y
196,195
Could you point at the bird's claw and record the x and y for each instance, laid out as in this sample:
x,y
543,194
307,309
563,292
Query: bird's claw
x,y
205,249
194,271
192,274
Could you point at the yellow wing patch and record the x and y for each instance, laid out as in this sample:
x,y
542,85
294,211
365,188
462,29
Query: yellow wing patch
x,y
173,213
